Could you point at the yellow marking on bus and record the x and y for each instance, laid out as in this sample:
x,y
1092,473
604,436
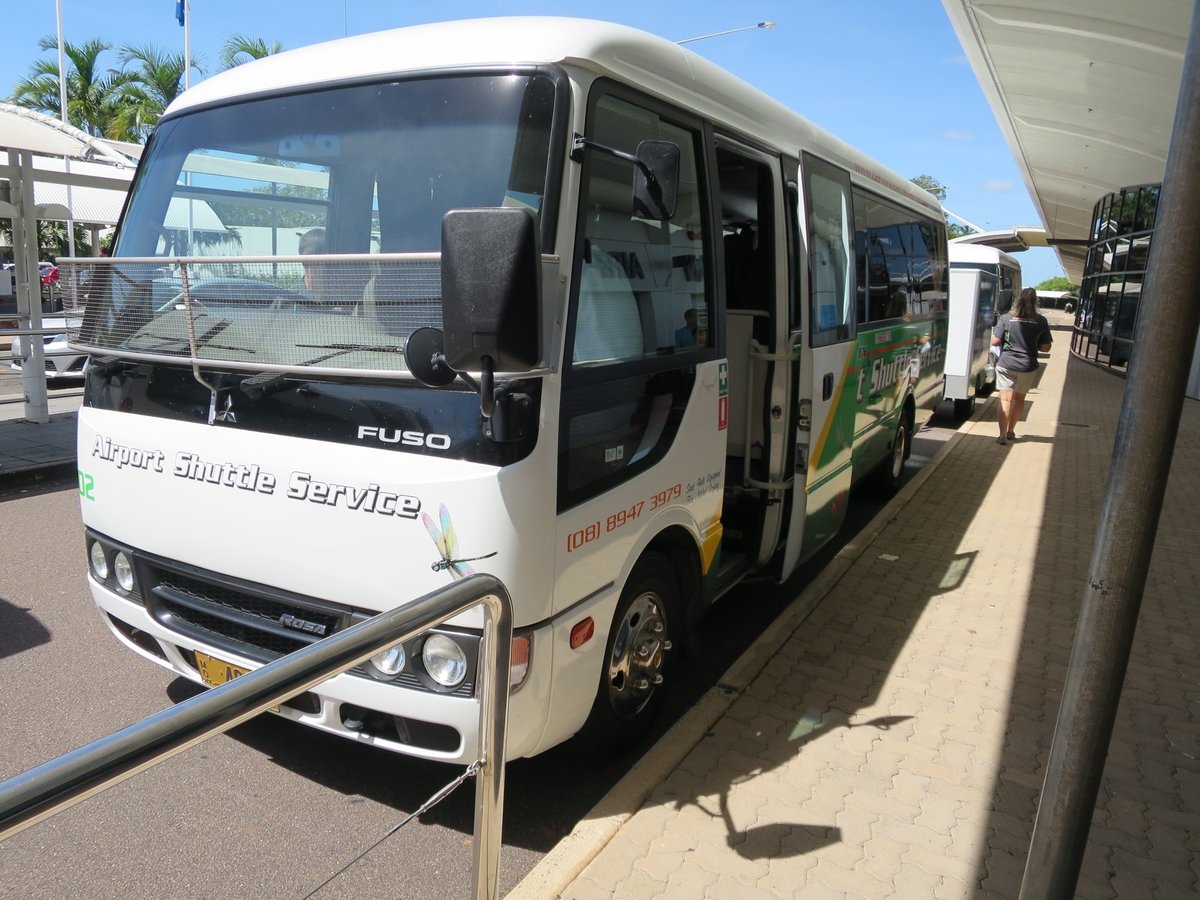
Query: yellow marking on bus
x,y
711,543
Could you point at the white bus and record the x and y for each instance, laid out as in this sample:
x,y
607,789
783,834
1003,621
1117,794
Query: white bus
x,y
547,298
984,281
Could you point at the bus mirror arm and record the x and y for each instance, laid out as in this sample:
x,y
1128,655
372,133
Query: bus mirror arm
x,y
656,173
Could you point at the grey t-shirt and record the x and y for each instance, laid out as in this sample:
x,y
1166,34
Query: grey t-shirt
x,y
1019,351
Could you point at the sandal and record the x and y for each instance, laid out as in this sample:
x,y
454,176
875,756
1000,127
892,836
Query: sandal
x,y
1001,441
1011,436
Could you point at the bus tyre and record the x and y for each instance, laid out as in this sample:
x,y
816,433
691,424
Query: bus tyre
x,y
638,660
890,474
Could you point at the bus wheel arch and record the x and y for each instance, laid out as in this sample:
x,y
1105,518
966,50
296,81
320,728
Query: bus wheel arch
x,y
644,644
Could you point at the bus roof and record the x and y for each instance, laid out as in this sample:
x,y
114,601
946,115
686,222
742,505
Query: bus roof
x,y
981,253
652,63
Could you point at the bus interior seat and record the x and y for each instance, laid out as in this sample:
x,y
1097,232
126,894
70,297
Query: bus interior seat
x,y
613,319
609,322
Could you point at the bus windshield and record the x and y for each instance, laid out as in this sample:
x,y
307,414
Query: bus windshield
x,y
359,176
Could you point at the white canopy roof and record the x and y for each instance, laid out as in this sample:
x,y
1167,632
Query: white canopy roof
x,y
26,129
1084,91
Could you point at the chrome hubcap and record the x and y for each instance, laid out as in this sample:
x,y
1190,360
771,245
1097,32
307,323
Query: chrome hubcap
x,y
638,654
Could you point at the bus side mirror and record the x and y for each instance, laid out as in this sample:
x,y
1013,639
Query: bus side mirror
x,y
656,179
491,290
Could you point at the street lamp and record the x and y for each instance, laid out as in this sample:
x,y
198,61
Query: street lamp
x,y
728,31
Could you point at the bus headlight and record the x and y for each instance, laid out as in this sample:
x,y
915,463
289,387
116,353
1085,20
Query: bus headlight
x,y
444,660
390,662
98,560
123,571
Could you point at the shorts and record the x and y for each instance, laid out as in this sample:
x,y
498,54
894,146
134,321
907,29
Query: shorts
x,y
1020,382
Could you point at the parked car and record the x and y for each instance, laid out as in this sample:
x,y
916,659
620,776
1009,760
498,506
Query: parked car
x,y
235,292
61,361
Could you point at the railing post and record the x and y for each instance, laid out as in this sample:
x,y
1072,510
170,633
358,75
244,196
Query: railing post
x,y
493,731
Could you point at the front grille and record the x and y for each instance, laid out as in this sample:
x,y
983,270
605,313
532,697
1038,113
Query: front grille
x,y
241,617
247,619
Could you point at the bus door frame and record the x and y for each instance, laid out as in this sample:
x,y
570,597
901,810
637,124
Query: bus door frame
x,y
778,403
830,372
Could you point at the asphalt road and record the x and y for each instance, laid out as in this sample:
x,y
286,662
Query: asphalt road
x,y
271,808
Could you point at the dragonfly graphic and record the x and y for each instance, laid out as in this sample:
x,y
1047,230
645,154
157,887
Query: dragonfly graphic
x,y
446,542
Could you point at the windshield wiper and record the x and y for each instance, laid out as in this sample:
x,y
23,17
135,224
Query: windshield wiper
x,y
340,349
202,340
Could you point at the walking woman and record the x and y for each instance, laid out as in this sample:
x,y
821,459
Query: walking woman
x,y
1019,334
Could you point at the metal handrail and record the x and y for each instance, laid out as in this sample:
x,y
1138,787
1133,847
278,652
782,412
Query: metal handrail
x,y
73,777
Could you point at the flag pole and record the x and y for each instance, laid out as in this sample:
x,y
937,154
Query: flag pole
x,y
62,103
187,44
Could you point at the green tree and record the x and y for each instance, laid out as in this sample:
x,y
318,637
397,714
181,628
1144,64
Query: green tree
x,y
91,86
931,184
935,187
240,48
52,239
1058,283
155,79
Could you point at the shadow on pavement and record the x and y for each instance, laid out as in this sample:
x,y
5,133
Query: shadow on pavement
x,y
19,629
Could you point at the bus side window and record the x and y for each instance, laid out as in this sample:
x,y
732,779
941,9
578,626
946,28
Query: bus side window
x,y
642,289
642,310
830,233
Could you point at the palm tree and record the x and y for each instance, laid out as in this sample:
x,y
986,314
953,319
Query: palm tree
x,y
239,48
91,86
147,89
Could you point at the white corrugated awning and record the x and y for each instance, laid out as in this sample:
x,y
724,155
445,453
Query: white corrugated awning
x,y
1084,91
87,204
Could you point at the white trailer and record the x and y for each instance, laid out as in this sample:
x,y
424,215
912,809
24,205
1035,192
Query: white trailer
x,y
969,369
984,281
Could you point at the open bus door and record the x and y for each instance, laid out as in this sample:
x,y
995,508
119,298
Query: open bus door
x,y
760,364
829,375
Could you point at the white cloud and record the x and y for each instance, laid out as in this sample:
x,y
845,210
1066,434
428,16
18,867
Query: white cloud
x,y
958,135
998,186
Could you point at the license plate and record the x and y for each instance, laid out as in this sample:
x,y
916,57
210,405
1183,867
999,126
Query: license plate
x,y
216,672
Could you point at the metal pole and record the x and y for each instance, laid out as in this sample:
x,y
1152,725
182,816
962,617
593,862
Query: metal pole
x,y
29,292
62,99
187,45
496,659
1149,421
705,37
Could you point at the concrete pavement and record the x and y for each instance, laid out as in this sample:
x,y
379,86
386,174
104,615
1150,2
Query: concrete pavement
x,y
32,451
888,736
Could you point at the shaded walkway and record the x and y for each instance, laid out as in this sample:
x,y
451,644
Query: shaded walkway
x,y
894,744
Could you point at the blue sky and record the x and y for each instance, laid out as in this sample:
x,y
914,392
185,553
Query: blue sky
x,y
888,77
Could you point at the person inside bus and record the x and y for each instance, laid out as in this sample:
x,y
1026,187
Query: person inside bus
x,y
1020,335
686,336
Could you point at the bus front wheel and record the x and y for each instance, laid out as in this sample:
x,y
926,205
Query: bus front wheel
x,y
890,474
638,660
